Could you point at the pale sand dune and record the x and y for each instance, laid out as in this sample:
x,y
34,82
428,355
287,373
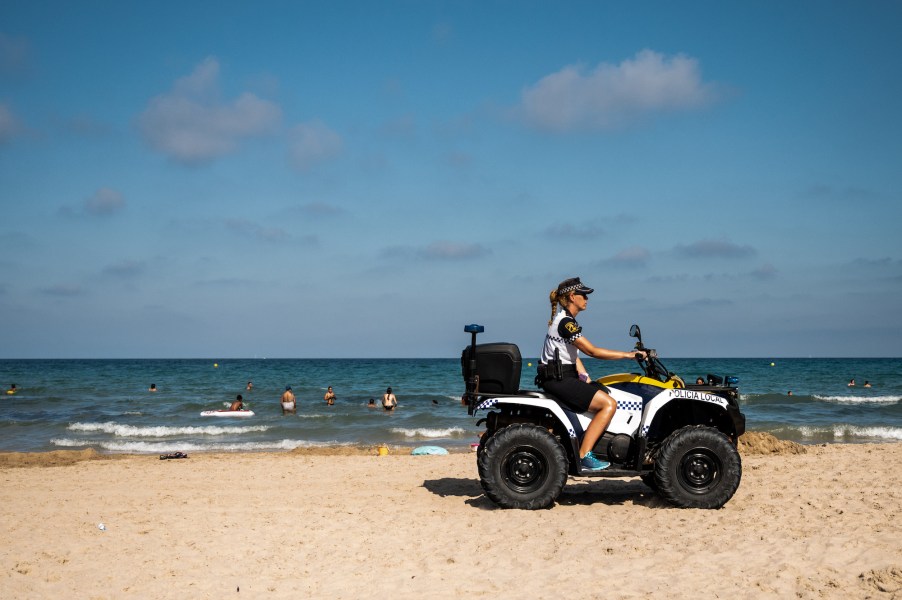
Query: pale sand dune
x,y
826,523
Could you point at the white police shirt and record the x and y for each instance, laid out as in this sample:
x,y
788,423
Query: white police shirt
x,y
562,332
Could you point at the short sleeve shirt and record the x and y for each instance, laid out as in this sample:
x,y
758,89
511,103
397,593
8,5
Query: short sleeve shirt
x,y
563,331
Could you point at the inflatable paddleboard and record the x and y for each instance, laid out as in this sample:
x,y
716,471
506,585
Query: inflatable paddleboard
x,y
227,413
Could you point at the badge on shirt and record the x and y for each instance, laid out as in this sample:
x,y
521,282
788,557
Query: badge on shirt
x,y
569,328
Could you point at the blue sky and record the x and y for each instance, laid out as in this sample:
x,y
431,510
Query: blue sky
x,y
361,179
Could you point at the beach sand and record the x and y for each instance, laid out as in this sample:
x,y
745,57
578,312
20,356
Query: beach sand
x,y
812,522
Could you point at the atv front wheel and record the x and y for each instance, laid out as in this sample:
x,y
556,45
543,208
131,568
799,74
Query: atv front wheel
x,y
697,467
522,466
649,480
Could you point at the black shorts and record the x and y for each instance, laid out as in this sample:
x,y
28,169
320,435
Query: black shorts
x,y
573,392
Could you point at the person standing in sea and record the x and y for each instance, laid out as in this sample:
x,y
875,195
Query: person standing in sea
x,y
289,404
389,401
329,397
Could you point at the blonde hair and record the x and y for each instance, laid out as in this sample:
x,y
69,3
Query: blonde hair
x,y
553,297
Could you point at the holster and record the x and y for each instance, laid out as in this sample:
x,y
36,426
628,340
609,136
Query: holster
x,y
557,366
541,374
553,370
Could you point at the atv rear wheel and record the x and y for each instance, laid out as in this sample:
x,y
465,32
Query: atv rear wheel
x,y
698,467
522,466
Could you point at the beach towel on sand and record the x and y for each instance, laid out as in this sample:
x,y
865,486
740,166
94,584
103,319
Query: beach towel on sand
x,y
424,450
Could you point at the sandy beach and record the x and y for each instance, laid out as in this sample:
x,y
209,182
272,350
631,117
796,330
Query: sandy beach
x,y
812,522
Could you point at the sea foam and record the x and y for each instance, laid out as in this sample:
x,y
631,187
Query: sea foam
x,y
424,432
859,399
125,447
157,431
853,433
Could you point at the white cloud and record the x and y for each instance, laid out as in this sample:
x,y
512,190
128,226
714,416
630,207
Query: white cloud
x,y
63,290
192,125
765,272
714,249
126,269
10,126
14,55
579,229
249,228
634,256
442,250
446,250
311,143
611,96
105,201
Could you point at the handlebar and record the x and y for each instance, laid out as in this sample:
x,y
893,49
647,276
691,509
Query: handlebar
x,y
653,367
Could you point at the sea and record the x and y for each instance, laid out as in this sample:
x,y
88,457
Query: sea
x,y
106,404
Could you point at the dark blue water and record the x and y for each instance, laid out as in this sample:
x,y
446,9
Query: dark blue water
x,y
106,405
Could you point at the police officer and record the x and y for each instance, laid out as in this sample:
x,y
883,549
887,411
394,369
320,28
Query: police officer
x,y
562,374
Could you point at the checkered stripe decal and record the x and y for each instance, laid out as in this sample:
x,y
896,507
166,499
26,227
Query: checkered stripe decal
x,y
629,405
486,404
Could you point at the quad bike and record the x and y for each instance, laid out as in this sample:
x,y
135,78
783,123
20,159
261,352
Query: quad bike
x,y
679,439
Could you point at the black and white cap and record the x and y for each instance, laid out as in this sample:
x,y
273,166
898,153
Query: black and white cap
x,y
573,285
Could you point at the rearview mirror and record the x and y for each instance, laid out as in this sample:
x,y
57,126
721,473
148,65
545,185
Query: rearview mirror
x,y
634,332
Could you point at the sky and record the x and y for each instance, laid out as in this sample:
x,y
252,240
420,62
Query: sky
x,y
362,179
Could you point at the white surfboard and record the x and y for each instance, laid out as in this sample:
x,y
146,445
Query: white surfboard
x,y
227,413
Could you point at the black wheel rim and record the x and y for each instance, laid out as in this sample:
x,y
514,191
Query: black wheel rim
x,y
700,470
524,469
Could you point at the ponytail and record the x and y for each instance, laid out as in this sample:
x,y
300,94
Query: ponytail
x,y
554,301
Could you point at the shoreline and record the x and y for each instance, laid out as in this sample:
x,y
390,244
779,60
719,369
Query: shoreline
x,y
751,443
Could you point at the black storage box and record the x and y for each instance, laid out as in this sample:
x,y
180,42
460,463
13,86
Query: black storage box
x,y
498,366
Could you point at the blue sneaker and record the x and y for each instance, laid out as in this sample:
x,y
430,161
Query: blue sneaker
x,y
590,463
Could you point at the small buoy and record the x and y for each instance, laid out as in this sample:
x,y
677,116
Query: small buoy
x,y
215,365
771,364
528,364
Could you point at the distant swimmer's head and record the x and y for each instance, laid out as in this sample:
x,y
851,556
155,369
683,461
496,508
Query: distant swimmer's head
x,y
287,388
239,397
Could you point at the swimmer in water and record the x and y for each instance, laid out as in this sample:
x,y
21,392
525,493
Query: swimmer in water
x,y
289,405
389,401
238,404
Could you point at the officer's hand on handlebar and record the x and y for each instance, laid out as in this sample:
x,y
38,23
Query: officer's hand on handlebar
x,y
640,355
